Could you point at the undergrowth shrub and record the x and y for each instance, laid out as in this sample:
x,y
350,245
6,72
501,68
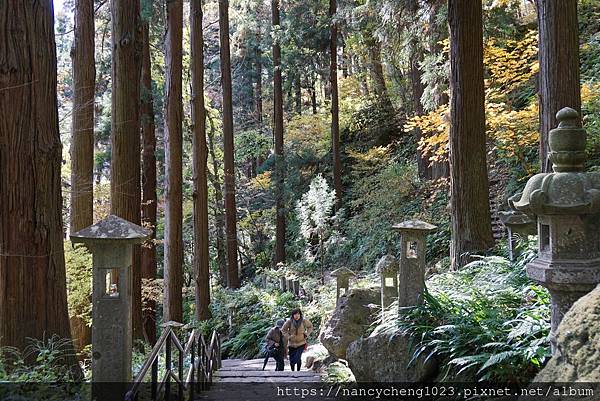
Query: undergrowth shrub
x,y
486,322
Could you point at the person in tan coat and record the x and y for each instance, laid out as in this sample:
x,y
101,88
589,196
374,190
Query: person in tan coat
x,y
296,330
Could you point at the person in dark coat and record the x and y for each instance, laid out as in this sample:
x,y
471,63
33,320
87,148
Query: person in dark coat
x,y
296,330
275,346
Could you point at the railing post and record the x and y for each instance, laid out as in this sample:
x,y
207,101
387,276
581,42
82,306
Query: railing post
x,y
168,366
193,367
219,365
204,364
180,374
154,383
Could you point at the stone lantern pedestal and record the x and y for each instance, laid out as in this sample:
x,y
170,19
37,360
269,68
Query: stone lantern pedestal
x,y
566,206
387,267
411,280
111,243
342,276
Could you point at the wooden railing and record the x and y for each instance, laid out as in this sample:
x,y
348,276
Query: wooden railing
x,y
204,359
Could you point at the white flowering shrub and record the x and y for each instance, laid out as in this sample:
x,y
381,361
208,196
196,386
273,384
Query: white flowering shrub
x,y
315,213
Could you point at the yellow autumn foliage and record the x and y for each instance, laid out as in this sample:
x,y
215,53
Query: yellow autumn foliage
x,y
509,66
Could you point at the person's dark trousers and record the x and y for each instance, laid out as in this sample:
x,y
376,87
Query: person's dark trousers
x,y
279,362
296,357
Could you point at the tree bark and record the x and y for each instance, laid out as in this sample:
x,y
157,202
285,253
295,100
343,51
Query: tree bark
x,y
298,95
471,223
199,165
149,198
173,274
335,114
439,169
280,225
313,97
125,191
33,295
218,208
559,84
233,280
82,137
259,65
376,68
416,57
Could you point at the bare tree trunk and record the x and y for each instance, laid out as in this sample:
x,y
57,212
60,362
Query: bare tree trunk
x,y
313,97
335,117
471,223
149,199
199,164
439,169
33,295
173,265
259,100
125,191
279,256
559,84
233,280
416,56
218,207
298,95
82,137
376,69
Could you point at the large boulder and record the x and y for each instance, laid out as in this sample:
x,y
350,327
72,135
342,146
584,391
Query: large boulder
x,y
384,358
353,315
577,357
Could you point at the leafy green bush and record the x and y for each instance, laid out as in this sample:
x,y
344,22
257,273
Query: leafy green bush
x,y
78,262
486,322
43,360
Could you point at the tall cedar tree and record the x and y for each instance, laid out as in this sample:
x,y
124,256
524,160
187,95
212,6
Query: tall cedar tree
x,y
278,135
233,280
199,165
258,90
149,199
217,205
82,136
335,111
33,292
173,274
416,57
559,84
471,223
125,132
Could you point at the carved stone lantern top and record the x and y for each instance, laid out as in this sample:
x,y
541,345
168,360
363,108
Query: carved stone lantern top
x,y
569,189
342,272
112,228
414,226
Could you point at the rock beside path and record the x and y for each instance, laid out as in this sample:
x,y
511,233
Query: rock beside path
x,y
352,317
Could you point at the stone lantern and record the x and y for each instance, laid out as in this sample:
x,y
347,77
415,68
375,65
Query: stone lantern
x,y
111,243
387,267
411,281
566,205
516,223
342,276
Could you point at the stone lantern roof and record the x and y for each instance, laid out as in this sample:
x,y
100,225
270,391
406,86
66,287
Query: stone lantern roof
x,y
112,228
342,272
414,226
515,219
569,189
